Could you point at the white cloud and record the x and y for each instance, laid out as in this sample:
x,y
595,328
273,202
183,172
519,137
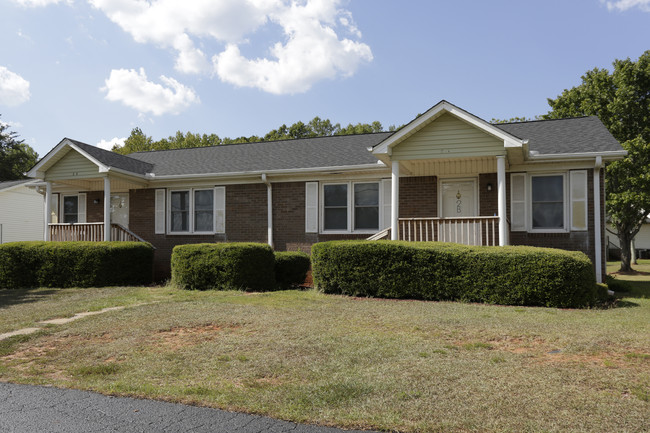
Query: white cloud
x,y
132,88
40,3
311,49
623,5
14,89
109,144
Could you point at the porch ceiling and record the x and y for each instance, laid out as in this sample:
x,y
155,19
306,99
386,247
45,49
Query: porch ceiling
x,y
449,167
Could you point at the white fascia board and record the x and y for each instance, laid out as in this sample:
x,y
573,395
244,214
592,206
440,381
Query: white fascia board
x,y
606,156
258,173
385,146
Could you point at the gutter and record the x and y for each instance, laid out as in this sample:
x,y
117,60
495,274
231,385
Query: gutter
x,y
605,156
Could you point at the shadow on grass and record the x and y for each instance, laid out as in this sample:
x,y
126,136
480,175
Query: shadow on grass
x,y
9,297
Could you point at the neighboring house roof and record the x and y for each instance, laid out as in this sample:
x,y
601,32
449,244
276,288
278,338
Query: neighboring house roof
x,y
13,183
319,152
112,159
575,135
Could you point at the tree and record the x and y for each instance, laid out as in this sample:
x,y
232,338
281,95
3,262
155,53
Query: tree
x,y
621,99
137,142
16,157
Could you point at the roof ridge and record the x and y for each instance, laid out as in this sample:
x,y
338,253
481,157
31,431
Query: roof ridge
x,y
260,142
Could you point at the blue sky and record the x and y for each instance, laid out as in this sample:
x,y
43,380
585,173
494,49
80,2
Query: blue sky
x,y
94,69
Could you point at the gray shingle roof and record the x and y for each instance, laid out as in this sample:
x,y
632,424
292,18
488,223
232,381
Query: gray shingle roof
x,y
335,151
577,135
112,159
9,183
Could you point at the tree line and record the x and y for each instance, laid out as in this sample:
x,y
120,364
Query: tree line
x,y
138,141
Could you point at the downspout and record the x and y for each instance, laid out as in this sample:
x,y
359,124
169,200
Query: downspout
x,y
269,210
597,222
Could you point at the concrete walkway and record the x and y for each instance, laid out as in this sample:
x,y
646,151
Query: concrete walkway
x,y
29,409
59,321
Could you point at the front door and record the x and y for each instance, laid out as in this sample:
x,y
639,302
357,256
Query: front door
x,y
458,198
120,209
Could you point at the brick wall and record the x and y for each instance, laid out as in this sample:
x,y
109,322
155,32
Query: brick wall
x,y
94,212
246,214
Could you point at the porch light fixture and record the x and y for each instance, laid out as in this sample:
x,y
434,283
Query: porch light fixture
x,y
96,201
489,187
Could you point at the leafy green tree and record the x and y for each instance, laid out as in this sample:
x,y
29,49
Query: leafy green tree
x,y
621,99
136,142
16,157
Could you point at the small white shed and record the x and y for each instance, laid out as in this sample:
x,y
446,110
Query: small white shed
x,y
21,212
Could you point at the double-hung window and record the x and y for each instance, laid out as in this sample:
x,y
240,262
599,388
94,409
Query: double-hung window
x,y
351,207
191,211
71,209
547,197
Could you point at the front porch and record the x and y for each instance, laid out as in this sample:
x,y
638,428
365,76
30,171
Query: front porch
x,y
476,231
93,232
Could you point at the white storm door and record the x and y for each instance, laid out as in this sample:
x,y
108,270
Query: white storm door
x,y
458,200
120,209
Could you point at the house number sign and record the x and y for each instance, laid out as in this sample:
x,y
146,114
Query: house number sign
x,y
459,202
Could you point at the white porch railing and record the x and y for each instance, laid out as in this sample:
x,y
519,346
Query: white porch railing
x,y
93,232
466,230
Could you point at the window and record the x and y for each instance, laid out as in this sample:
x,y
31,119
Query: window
x,y
366,206
204,210
335,207
180,211
193,210
71,209
359,209
547,202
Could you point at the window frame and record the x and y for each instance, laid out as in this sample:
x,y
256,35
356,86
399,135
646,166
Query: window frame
x,y
62,214
350,206
565,204
191,211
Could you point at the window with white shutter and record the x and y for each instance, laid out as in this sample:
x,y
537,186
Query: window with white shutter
x,y
578,185
311,207
518,202
159,223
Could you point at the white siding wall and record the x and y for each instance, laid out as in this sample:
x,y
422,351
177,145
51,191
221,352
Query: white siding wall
x,y
72,166
21,215
641,240
448,137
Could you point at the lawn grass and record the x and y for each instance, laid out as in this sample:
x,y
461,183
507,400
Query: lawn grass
x,y
365,363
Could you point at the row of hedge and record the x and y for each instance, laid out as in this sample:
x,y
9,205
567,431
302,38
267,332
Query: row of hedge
x,y
514,275
236,266
75,264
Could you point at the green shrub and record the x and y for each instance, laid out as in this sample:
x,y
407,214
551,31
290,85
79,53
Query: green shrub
x,y
75,264
223,266
513,275
291,268
616,285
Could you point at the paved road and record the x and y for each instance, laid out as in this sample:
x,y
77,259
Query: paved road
x,y
39,409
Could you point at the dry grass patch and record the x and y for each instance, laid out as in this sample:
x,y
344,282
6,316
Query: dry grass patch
x,y
409,366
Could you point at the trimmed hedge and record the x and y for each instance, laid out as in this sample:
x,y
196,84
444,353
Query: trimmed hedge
x,y
223,266
75,264
513,275
291,268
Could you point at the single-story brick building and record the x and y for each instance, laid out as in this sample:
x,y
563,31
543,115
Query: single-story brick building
x,y
446,176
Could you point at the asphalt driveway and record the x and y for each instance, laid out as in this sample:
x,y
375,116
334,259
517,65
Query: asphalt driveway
x,y
26,408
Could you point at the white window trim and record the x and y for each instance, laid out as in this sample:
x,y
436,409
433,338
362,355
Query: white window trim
x,y
61,216
191,212
565,203
350,207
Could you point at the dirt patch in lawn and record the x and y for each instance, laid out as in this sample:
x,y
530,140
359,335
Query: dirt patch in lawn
x,y
180,337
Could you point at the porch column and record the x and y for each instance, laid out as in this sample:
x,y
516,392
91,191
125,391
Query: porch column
x,y
48,213
597,222
107,209
501,187
394,201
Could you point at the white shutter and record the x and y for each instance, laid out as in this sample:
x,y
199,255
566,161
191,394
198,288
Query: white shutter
x,y
518,202
81,208
386,204
578,188
311,207
220,209
159,224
